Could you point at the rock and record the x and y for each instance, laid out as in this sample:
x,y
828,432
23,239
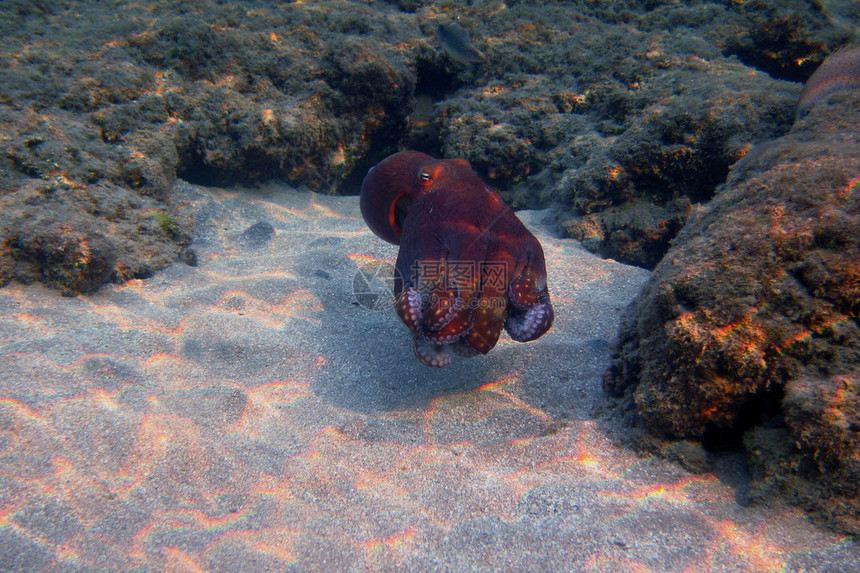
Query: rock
x,y
752,315
617,126
823,418
73,260
626,112
640,231
104,119
787,39
76,238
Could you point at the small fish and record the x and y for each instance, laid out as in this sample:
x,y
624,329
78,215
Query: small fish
x,y
455,41
838,72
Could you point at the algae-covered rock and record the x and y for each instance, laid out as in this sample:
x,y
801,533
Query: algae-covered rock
x,y
622,112
815,458
114,110
752,316
609,117
76,239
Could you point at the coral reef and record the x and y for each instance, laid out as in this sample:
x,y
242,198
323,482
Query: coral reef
x,y
95,109
750,322
617,106
629,107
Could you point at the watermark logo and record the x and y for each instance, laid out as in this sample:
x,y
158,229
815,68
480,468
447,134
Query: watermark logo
x,y
460,276
373,285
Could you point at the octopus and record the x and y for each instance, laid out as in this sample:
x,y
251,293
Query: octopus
x,y
467,266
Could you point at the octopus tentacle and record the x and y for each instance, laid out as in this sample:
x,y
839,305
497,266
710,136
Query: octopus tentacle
x,y
408,308
429,354
452,331
488,319
441,306
524,326
527,289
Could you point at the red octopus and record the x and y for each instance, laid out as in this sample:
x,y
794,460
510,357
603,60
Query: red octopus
x,y
467,266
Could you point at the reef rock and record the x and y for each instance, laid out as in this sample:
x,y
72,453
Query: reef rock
x,y
749,326
626,112
99,118
76,238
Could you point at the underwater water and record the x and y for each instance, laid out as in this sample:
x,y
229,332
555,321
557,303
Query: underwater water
x,y
252,412
201,366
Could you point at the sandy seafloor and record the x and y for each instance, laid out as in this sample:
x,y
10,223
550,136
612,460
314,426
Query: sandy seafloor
x,y
252,414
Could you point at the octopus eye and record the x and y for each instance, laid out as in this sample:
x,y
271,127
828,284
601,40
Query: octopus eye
x,y
425,181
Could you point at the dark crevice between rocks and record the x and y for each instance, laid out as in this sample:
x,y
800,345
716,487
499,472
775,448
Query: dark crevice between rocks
x,y
386,140
253,166
780,48
434,82
762,409
194,170
697,178
434,78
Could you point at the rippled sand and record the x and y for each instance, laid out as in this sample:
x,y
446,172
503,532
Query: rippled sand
x,y
254,412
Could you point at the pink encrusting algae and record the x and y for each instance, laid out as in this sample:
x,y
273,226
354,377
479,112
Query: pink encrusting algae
x,y
840,71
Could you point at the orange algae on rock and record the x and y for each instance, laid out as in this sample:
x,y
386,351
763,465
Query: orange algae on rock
x,y
840,71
